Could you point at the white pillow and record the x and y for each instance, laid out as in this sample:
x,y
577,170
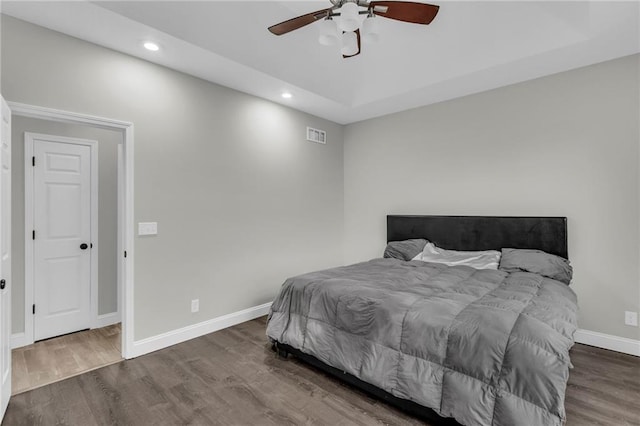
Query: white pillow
x,y
488,259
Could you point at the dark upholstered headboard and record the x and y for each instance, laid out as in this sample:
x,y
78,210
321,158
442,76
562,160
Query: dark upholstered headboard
x,y
483,232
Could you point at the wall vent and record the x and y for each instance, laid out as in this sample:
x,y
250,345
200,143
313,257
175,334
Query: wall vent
x,y
317,136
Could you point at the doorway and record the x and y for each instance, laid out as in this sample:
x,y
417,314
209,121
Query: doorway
x,y
66,290
124,221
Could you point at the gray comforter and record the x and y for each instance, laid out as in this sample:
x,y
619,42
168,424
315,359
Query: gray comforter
x,y
483,346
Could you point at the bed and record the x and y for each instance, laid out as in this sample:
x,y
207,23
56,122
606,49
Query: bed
x,y
450,344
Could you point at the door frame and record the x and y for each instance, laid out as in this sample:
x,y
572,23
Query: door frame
x,y
29,226
125,208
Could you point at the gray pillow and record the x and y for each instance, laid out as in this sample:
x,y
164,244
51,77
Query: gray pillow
x,y
537,262
404,250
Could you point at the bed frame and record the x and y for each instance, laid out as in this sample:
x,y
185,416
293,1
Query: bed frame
x,y
455,233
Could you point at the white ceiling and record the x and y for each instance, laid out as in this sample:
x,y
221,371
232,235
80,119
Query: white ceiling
x,y
469,47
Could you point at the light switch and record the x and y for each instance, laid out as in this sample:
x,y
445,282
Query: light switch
x,y
147,228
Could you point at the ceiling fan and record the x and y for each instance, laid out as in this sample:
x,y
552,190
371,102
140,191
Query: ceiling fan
x,y
347,31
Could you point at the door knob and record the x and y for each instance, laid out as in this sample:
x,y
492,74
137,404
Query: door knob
x,y
3,284
84,246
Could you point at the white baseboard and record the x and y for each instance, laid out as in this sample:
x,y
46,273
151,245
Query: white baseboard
x,y
106,319
19,340
161,341
608,341
180,335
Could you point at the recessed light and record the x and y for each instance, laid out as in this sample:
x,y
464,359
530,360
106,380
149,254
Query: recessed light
x,y
287,95
151,46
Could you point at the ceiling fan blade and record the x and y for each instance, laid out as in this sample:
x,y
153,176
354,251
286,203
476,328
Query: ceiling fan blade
x,y
406,11
299,22
359,50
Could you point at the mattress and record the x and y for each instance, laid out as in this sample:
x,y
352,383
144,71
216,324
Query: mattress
x,y
485,347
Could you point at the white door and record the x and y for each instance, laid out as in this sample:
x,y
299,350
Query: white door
x,y
62,237
5,256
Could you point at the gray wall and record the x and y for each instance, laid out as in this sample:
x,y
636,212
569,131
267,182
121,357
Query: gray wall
x,y
0,52
242,201
564,145
107,209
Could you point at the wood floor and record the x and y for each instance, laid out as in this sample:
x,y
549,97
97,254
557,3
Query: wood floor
x,y
232,378
62,357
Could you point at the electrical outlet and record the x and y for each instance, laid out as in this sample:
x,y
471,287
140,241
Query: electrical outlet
x,y
195,305
631,318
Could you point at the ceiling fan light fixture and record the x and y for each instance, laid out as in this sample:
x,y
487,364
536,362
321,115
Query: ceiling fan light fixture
x,y
370,32
328,33
349,13
349,43
349,32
